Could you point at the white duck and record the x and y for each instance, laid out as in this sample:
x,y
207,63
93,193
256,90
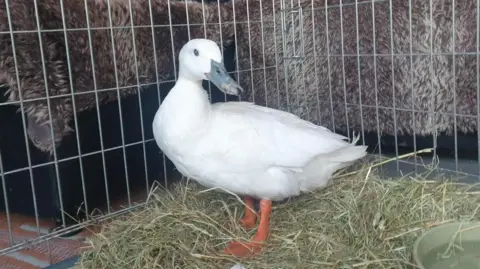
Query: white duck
x,y
250,150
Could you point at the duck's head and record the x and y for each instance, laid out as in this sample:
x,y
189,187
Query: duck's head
x,y
201,59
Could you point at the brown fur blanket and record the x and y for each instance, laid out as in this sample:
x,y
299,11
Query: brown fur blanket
x,y
288,59
85,81
329,90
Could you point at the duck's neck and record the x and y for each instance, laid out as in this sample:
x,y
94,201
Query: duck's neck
x,y
187,108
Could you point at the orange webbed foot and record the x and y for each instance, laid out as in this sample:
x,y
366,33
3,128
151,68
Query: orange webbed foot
x,y
243,249
246,249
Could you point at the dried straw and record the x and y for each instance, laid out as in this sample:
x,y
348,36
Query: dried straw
x,y
358,221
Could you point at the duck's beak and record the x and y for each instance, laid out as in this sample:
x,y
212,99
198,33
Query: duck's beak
x,y
218,75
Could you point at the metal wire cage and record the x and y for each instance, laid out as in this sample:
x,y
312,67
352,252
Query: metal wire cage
x,y
83,79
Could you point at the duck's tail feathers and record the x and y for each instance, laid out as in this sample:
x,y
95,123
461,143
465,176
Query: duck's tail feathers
x,y
318,172
355,138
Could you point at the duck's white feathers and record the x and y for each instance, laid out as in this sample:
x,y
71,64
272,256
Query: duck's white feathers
x,y
242,147
243,132
265,153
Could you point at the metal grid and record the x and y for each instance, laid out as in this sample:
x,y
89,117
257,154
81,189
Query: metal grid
x,y
283,12
454,166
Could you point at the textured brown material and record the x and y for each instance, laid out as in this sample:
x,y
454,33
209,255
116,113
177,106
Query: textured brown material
x,y
29,60
308,88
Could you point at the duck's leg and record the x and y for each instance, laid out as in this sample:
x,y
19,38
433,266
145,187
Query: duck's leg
x,y
244,249
250,216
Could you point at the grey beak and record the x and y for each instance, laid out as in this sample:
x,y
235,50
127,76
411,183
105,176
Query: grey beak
x,y
218,75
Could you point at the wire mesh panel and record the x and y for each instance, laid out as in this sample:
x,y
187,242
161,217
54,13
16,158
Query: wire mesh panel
x,y
88,77
83,79
402,73
37,61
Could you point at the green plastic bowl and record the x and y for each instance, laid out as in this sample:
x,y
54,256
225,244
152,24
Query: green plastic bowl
x,y
449,246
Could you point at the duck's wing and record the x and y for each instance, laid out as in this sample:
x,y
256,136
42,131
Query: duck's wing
x,y
260,136
284,117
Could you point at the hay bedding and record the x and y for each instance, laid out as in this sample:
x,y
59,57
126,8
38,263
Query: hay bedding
x,y
359,221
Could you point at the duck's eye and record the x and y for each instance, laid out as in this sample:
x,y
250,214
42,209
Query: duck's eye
x,y
195,52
